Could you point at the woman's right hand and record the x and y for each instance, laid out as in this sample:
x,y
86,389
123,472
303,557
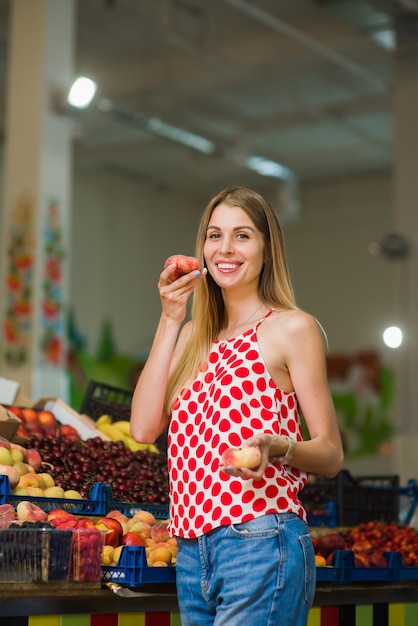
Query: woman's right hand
x,y
174,294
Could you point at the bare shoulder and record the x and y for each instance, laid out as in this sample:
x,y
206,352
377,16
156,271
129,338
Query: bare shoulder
x,y
287,337
292,323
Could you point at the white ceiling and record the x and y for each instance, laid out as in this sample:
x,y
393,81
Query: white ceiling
x,y
303,83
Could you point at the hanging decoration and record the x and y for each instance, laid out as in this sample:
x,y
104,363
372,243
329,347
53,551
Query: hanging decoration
x,y
52,321
19,278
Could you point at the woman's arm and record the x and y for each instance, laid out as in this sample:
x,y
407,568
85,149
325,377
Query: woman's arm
x,y
298,344
148,419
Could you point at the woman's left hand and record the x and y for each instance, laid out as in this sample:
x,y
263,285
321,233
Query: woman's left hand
x,y
263,442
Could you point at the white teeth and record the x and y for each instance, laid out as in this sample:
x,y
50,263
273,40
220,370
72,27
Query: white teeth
x,y
226,266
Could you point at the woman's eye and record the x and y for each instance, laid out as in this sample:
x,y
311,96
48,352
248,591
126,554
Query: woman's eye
x,y
213,236
242,236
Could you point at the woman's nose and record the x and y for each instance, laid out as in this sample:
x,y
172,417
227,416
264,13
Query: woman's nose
x,y
227,244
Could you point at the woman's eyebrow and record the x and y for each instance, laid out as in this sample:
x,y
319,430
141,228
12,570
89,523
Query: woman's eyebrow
x,y
245,227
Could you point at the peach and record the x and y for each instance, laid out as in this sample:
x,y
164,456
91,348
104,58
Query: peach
x,y
4,443
20,491
320,561
31,479
11,472
123,519
7,512
249,456
159,532
72,494
17,446
54,492
160,554
21,468
145,516
34,459
142,528
5,456
149,543
29,512
37,492
17,455
47,479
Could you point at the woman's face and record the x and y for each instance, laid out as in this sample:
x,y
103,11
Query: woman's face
x,y
233,249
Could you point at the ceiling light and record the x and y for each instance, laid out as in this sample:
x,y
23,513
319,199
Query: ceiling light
x,y
392,337
82,92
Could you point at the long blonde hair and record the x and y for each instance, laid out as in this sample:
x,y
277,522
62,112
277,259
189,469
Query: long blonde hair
x,y
208,310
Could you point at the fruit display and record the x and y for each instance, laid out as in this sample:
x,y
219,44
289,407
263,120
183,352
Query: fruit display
x,y
136,477
42,423
369,541
142,529
119,430
22,465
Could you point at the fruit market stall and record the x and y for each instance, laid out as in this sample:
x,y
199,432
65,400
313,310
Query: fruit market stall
x,y
84,514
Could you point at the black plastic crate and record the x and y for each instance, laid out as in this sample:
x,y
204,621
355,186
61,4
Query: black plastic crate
x,y
367,498
353,499
101,399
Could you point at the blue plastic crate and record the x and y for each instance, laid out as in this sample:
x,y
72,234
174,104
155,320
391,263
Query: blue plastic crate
x,y
96,505
133,570
408,500
159,511
343,569
328,518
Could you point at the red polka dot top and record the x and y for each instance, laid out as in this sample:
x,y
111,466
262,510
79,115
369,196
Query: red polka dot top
x,y
232,398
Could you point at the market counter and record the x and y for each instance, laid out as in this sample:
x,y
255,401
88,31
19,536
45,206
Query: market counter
x,y
339,603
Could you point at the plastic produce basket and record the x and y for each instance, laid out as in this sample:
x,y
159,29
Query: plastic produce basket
x,y
159,511
367,498
343,569
101,399
35,554
346,500
408,500
133,570
97,504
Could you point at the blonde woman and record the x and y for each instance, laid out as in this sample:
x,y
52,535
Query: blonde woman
x,y
238,374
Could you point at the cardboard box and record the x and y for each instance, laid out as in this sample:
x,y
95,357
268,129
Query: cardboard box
x,y
11,392
9,423
85,426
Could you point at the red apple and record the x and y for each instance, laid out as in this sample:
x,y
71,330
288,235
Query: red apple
x,y
184,265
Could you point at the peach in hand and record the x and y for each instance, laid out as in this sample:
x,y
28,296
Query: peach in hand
x,y
184,265
237,458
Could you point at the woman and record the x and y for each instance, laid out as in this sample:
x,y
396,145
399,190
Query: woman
x,y
236,375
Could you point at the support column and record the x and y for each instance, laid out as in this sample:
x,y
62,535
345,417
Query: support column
x,y
406,223
36,205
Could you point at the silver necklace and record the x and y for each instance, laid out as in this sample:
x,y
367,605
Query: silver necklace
x,y
231,333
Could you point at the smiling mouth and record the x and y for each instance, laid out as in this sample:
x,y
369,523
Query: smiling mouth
x,y
227,267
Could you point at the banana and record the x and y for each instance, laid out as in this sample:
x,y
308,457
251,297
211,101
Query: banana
x,y
124,426
113,433
103,419
120,431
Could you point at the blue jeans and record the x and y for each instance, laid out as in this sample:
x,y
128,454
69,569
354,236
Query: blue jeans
x,y
260,572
